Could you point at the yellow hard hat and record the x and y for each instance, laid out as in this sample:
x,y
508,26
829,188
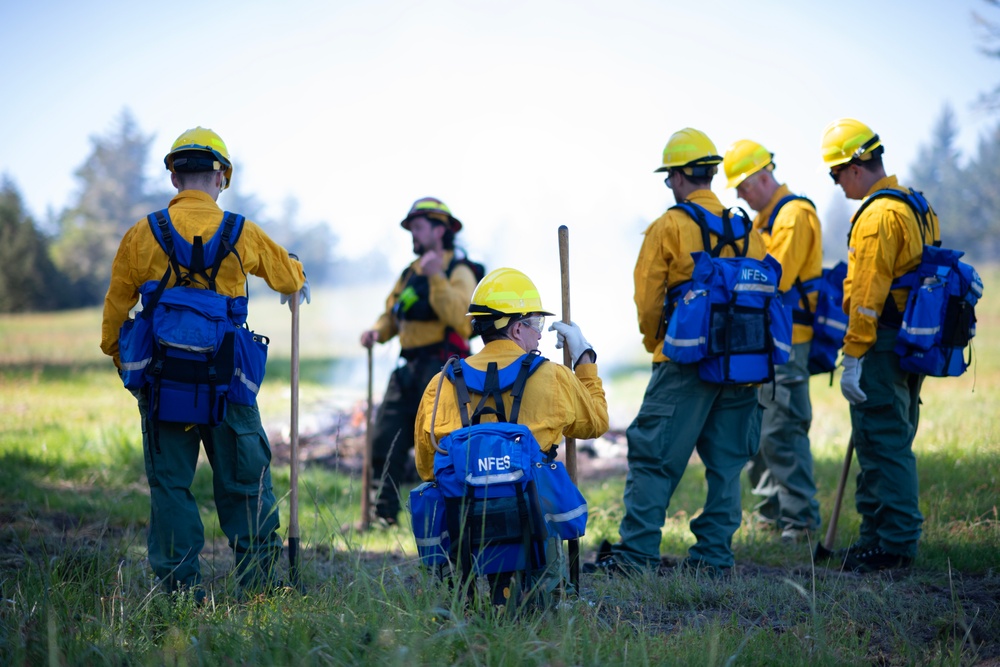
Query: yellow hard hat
x,y
435,209
744,158
847,139
200,139
689,148
503,292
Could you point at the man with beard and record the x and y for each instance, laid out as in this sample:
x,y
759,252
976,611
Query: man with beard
x,y
427,310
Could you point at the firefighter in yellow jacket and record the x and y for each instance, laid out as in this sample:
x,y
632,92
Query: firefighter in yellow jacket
x,y
557,402
507,312
680,412
885,243
426,309
782,471
237,449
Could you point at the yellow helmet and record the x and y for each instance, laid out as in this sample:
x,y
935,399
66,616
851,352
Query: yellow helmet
x,y
692,149
743,159
204,140
503,292
435,209
847,139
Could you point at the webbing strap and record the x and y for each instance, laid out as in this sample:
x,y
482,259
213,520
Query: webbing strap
x,y
461,389
517,391
491,389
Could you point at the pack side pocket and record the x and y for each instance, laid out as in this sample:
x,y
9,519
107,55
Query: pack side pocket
x,y
685,341
250,352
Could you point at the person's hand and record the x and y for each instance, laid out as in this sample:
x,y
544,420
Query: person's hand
x,y
431,262
570,336
304,295
369,338
850,381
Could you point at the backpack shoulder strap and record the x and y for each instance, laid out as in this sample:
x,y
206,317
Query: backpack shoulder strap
x,y
232,228
459,257
453,370
529,364
491,389
162,230
914,199
730,233
697,213
781,202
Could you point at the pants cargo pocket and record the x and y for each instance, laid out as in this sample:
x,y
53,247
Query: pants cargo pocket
x,y
249,457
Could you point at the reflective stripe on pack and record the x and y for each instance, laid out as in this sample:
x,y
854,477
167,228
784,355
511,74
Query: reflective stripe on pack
x,y
562,517
247,382
480,480
782,346
754,287
685,342
832,323
920,331
136,365
433,540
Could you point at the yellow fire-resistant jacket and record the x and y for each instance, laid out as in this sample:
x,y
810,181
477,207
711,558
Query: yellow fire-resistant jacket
x,y
193,213
885,244
665,260
450,298
796,241
556,403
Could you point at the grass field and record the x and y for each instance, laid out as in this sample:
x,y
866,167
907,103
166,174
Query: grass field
x,y
76,589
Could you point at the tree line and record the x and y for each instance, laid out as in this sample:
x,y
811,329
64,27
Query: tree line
x,y
69,267
66,263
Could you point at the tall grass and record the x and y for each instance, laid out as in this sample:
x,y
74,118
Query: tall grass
x,y
75,587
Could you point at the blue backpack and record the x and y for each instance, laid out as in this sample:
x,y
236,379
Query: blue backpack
x,y
729,318
939,319
496,497
828,322
190,345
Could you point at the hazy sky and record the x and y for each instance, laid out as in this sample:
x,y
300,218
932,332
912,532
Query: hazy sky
x,y
520,115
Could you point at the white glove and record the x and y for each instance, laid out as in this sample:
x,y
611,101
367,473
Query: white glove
x,y
850,381
304,295
569,335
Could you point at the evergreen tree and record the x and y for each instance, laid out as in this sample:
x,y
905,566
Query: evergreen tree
x,y
981,201
990,38
28,279
113,195
939,176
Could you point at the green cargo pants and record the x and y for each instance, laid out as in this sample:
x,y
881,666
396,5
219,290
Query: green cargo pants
x,y
883,428
782,471
681,413
240,456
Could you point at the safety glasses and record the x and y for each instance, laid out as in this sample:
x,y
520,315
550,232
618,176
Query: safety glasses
x,y
536,322
837,171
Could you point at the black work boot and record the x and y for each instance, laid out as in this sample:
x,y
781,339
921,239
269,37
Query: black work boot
x,y
608,563
875,559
